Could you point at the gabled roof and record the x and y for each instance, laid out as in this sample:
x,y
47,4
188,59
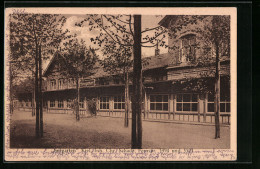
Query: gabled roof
x,y
167,20
152,62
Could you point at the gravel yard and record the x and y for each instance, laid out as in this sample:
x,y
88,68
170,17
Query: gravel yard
x,y
62,131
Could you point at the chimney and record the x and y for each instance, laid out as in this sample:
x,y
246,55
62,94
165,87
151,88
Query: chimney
x,y
157,51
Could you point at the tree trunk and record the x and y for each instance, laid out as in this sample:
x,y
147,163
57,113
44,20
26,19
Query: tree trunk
x,y
33,100
40,93
137,86
126,99
217,94
36,92
77,101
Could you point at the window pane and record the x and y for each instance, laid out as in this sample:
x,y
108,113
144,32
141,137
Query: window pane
x,y
159,98
227,107
179,98
119,106
165,98
158,106
222,107
194,106
152,106
186,98
194,98
165,106
222,97
123,105
186,106
179,106
123,99
210,107
115,106
115,99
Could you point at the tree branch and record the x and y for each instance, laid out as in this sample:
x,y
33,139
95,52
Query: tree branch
x,y
146,30
101,26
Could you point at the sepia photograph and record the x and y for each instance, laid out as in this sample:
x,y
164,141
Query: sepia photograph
x,y
113,84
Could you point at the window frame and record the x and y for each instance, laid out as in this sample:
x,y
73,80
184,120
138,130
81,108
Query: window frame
x,y
52,84
225,102
162,102
182,57
81,103
187,102
121,103
60,103
52,103
101,103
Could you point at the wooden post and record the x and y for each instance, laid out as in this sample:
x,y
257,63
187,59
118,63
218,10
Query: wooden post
x,y
171,105
205,102
199,108
174,106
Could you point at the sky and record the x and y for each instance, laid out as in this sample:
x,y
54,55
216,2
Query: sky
x,y
148,21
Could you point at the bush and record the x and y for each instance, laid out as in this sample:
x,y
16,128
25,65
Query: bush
x,y
92,106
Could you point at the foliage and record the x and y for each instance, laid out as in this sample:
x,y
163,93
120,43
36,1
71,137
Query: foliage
x,y
92,106
29,30
76,59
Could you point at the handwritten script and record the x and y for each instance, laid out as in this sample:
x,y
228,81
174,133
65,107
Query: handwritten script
x,y
119,155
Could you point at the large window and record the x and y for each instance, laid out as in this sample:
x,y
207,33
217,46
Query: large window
x,y
52,103
119,102
104,103
224,102
187,51
52,84
159,102
60,104
81,103
187,102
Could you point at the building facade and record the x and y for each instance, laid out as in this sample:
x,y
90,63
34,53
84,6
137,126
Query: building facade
x,y
176,88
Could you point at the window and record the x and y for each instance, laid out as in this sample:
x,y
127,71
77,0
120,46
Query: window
x,y
224,102
60,83
187,102
104,103
159,102
119,102
53,84
71,82
187,51
81,103
69,103
52,103
60,104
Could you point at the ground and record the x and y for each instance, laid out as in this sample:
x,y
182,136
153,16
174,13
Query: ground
x,y
62,131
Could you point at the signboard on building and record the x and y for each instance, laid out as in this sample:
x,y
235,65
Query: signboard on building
x,y
87,82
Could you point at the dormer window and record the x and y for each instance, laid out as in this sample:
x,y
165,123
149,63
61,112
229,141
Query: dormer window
x,y
60,83
187,48
53,84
